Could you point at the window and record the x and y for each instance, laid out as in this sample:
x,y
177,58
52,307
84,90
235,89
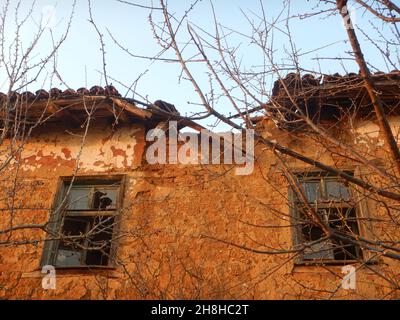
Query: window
x,y
83,222
331,199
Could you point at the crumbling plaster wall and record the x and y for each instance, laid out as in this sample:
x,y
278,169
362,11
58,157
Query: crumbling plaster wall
x,y
171,215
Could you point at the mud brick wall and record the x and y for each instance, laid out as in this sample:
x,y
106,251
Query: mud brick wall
x,y
173,220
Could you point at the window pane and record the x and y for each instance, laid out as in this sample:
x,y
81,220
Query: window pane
x,y
68,258
345,220
312,233
105,198
69,254
96,238
336,190
78,198
341,219
311,190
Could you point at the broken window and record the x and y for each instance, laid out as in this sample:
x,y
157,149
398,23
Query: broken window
x,y
83,223
331,199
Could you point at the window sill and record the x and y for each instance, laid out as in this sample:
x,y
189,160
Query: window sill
x,y
110,272
326,262
324,266
85,267
310,263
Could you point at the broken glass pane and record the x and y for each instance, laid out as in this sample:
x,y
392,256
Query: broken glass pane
x,y
345,221
311,232
96,238
346,251
68,258
75,226
100,239
104,199
68,253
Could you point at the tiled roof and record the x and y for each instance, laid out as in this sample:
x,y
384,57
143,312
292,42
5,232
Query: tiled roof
x,y
56,93
308,81
330,97
69,106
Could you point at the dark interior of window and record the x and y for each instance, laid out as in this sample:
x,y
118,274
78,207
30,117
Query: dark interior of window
x,y
87,241
342,220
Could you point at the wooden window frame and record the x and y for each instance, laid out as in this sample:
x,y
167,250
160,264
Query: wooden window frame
x,y
297,236
56,219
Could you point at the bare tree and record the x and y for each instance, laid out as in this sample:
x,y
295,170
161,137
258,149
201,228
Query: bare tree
x,y
296,104
319,187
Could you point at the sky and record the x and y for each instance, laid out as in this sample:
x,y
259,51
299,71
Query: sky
x,y
79,60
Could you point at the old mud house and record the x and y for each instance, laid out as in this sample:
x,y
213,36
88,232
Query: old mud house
x,y
78,194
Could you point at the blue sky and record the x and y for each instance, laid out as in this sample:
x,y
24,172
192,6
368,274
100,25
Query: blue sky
x,y
80,60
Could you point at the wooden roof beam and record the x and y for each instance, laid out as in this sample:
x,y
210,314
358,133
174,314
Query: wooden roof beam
x,y
62,112
119,115
132,109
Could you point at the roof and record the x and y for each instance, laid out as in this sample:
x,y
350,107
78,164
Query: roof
x,y
330,96
70,107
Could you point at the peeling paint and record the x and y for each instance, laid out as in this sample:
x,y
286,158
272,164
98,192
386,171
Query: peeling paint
x,y
367,133
102,151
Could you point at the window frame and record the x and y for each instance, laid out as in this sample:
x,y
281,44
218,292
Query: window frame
x,y
297,234
56,220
